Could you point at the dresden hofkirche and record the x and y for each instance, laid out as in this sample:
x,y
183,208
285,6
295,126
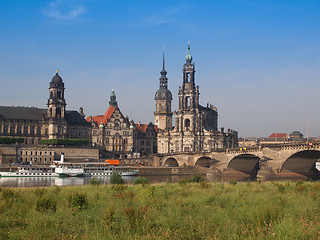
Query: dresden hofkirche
x,y
196,127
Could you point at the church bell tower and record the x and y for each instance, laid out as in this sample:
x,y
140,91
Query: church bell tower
x,y
56,108
163,98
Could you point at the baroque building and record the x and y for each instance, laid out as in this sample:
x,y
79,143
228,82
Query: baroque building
x,y
54,122
196,127
120,137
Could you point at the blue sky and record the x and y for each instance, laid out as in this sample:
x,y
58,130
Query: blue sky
x,y
258,62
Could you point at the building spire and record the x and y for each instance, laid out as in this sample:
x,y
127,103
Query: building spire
x,y
163,78
113,99
163,71
188,57
57,71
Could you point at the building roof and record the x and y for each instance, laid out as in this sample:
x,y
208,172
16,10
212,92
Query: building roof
x,y
75,118
38,114
143,127
23,113
278,135
103,118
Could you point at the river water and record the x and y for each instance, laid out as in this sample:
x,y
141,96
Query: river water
x,y
76,181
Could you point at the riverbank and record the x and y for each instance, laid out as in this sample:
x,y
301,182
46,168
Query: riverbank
x,y
251,210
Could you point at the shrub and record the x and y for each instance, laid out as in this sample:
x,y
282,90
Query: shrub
x,y
95,181
56,190
204,184
8,193
151,191
110,218
64,142
300,188
39,192
281,188
136,217
233,182
141,180
46,205
116,178
197,178
119,188
182,182
78,200
8,140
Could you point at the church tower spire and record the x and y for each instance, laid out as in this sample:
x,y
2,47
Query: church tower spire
x,y
163,97
188,117
163,78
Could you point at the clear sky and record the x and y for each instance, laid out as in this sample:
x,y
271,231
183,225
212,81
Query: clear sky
x,y
257,61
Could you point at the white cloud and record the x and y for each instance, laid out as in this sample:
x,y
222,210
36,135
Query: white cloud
x,y
165,16
64,10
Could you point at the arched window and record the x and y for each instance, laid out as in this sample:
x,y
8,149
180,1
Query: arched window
x,y
58,113
188,77
187,102
187,124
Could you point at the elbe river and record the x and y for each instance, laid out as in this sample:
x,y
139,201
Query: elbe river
x,y
76,181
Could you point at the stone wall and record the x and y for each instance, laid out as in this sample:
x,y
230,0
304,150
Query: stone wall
x,y
8,154
78,154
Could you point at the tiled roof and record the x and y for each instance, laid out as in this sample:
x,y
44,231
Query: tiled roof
x,y
278,135
23,113
38,114
143,127
103,118
75,118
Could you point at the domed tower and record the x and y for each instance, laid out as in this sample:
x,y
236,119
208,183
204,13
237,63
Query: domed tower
x,y
56,102
56,109
163,97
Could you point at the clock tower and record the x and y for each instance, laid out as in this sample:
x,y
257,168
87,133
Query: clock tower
x,y
163,97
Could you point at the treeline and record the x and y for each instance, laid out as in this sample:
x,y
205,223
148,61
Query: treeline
x,y
8,140
69,142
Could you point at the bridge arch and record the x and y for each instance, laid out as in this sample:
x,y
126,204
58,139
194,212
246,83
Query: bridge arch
x,y
302,162
204,162
171,162
246,163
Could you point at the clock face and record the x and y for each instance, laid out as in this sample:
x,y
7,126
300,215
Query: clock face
x,y
162,103
162,118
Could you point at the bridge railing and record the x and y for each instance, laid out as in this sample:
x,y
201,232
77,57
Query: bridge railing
x,y
282,146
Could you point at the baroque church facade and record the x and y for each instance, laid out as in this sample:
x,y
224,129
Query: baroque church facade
x,y
196,127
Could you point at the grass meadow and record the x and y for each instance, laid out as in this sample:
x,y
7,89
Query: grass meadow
x,y
252,210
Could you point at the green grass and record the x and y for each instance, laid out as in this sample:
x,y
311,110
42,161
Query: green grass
x,y
252,210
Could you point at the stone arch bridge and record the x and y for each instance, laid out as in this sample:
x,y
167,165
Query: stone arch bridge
x,y
268,162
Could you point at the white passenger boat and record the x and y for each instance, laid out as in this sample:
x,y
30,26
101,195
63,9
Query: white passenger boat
x,y
69,170
29,171
102,170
